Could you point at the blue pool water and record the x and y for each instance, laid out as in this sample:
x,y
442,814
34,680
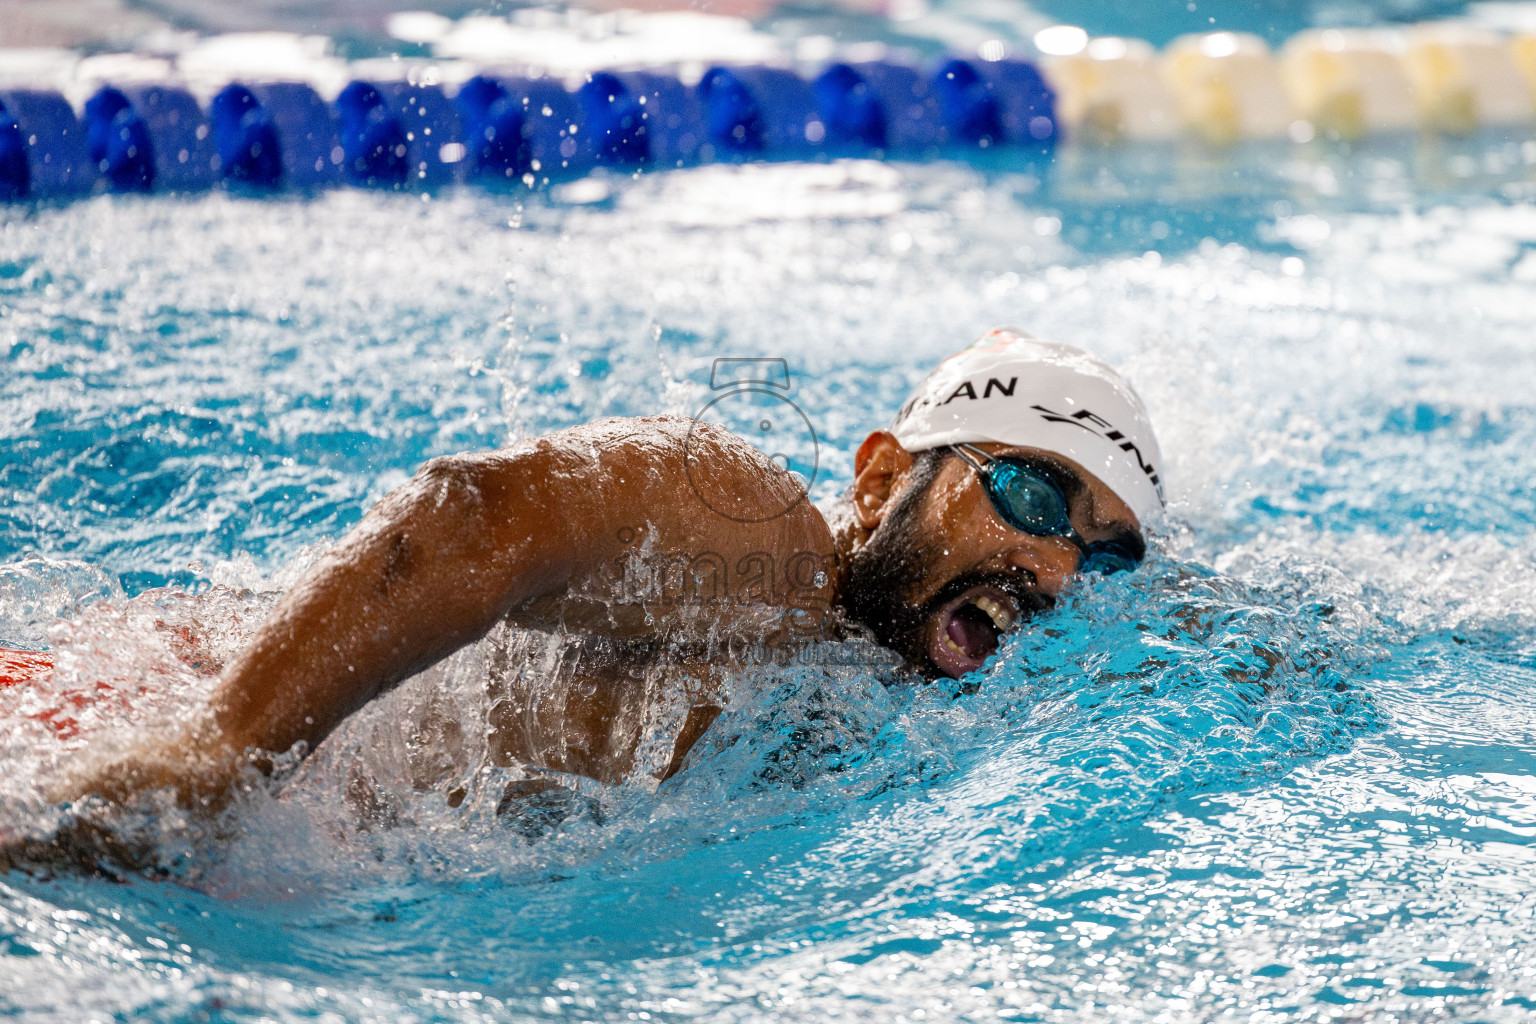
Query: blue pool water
x,y
1285,773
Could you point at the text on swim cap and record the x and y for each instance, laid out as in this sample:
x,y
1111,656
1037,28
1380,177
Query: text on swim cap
x,y
964,389
992,382
1109,433
1082,418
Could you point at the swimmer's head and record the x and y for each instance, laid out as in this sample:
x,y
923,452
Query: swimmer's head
x,y
952,546
1014,389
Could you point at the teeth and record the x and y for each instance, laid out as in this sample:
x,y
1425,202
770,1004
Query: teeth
x,y
1001,617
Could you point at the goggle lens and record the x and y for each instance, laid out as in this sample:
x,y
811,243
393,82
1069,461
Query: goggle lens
x,y
1027,499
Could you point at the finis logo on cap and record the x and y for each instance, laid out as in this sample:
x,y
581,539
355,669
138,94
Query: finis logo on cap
x,y
1083,417
1015,389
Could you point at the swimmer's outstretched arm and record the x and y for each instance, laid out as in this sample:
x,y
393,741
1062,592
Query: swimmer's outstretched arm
x,y
430,568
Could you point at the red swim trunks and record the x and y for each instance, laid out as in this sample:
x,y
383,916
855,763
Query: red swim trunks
x,y
17,667
22,670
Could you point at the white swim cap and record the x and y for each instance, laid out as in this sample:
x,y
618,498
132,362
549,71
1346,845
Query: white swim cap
x,y
1014,389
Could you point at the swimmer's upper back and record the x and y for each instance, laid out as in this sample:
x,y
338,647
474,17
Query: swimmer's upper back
x,y
684,525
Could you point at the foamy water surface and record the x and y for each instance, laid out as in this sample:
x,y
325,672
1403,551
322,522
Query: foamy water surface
x,y
1285,772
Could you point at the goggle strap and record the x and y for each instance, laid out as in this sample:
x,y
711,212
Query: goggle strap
x,y
969,453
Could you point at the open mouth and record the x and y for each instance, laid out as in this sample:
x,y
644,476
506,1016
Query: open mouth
x,y
965,631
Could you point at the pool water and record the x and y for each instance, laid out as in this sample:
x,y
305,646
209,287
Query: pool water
x,y
1286,772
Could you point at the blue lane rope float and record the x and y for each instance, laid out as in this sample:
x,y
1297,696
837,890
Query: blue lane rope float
x,y
58,160
617,132
492,122
372,139
276,135
182,152
908,112
518,129
752,112
533,132
852,114
119,143
994,103
432,126
246,137
672,126
308,132
552,121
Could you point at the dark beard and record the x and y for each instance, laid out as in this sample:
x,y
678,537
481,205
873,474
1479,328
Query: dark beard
x,y
894,564
890,566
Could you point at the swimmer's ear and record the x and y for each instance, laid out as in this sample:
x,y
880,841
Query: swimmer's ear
x,y
878,470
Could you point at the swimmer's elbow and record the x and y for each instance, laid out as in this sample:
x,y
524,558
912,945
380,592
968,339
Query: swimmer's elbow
x,y
450,474
448,484
486,505
482,502
444,499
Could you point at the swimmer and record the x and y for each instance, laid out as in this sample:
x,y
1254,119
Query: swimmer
x,y
1017,465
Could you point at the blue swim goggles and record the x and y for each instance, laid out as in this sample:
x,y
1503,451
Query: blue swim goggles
x,y
1027,498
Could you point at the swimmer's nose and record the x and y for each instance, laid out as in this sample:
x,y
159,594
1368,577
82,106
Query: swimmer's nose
x,y
1050,559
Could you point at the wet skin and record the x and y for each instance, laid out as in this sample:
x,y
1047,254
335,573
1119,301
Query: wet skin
x,y
539,536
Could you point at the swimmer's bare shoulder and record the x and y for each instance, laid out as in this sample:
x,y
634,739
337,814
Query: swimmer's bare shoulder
x,y
649,505
538,532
